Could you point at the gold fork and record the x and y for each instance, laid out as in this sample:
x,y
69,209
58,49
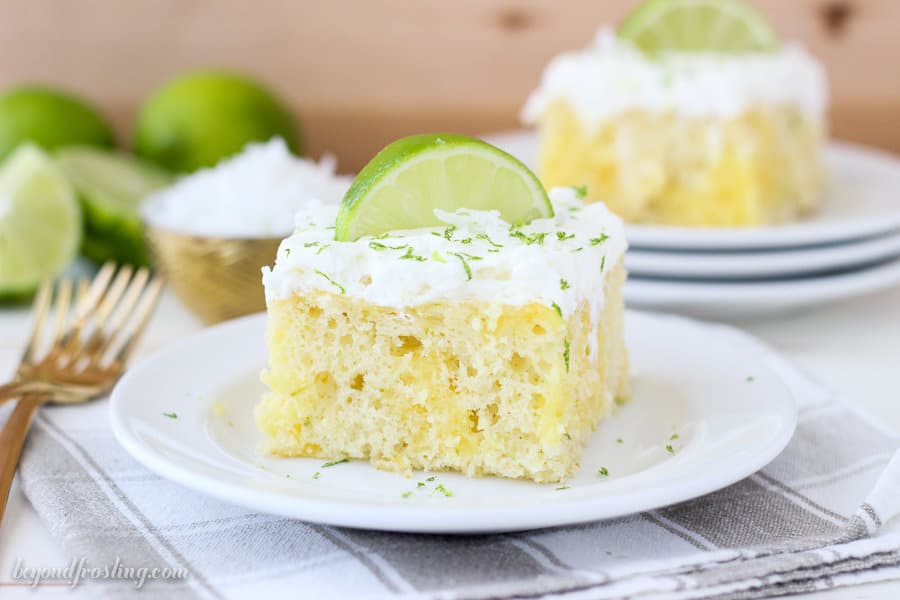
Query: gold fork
x,y
87,351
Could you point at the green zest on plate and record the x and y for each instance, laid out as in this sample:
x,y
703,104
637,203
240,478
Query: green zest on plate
x,y
440,489
405,182
727,26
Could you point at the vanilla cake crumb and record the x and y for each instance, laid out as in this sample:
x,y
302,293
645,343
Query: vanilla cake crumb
x,y
477,347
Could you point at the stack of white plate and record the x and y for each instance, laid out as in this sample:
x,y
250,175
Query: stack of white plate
x,y
848,248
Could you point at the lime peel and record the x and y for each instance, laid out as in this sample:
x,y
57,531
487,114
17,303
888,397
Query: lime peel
x,y
403,185
724,26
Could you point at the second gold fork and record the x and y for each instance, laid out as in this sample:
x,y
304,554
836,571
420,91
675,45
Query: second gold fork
x,y
87,351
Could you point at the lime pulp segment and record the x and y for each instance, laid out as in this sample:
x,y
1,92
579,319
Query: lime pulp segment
x,y
725,26
40,221
113,181
111,186
403,185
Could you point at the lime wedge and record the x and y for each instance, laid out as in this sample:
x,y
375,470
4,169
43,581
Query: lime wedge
x,y
111,186
727,26
402,186
40,222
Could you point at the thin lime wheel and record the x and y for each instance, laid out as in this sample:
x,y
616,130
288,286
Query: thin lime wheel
x,y
111,186
724,26
403,185
40,222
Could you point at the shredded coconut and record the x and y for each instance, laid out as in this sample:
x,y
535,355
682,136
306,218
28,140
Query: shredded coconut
x,y
254,194
612,77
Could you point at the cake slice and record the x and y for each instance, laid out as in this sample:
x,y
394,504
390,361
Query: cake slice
x,y
475,346
686,132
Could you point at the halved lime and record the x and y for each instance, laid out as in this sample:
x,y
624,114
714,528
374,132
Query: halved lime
x,y
728,26
402,186
110,186
40,221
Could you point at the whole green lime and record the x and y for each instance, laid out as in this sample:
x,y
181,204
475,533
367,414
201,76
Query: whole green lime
x,y
49,118
196,119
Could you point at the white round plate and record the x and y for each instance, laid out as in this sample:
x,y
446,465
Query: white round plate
x,y
741,299
816,260
720,391
861,200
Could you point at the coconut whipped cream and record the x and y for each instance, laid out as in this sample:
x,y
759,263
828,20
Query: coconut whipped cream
x,y
254,194
612,76
475,255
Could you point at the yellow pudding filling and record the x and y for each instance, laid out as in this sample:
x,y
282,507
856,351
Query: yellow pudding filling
x,y
761,167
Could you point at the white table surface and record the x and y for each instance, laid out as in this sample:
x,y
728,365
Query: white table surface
x,y
854,347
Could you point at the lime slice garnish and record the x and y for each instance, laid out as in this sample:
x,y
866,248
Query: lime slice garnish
x,y
40,221
698,26
402,186
111,186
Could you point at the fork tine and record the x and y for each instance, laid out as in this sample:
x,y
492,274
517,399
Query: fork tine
x,y
63,300
113,295
96,291
72,338
67,341
85,304
144,311
131,297
81,290
99,342
39,309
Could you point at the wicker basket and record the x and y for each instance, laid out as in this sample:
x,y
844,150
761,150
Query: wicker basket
x,y
217,278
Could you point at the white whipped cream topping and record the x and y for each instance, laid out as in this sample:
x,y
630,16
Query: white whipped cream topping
x,y
612,76
555,261
253,194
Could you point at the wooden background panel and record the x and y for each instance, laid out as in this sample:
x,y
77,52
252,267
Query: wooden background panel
x,y
361,72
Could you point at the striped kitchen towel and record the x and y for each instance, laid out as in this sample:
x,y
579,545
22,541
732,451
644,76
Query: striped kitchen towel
x,y
815,518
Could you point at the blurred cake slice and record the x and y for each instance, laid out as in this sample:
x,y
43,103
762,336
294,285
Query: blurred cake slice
x,y
686,127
